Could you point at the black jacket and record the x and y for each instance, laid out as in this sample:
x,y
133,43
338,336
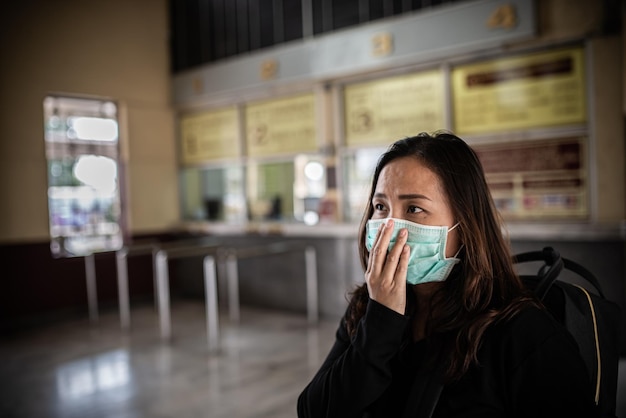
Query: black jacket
x,y
529,367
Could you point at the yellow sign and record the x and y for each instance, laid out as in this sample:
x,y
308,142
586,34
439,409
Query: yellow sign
x,y
503,17
382,44
269,69
382,111
537,90
283,126
209,136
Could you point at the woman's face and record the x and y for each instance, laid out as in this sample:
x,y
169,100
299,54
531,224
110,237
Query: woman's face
x,y
407,189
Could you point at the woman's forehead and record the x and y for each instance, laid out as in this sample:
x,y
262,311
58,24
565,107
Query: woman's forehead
x,y
408,172
408,176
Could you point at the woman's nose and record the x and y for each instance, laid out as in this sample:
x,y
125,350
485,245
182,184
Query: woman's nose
x,y
395,214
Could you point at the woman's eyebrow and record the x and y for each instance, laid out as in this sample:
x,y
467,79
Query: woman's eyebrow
x,y
408,196
411,196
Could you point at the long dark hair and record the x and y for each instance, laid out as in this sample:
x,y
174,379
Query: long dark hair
x,y
484,288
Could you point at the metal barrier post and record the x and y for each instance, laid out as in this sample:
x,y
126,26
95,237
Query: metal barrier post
x,y
155,287
221,267
233,288
122,287
92,290
163,294
311,285
210,290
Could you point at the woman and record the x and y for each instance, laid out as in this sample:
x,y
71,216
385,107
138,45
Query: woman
x,y
442,326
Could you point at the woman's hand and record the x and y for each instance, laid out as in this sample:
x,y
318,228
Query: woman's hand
x,y
386,272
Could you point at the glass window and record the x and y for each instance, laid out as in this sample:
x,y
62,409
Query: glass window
x,y
213,194
358,169
82,149
288,191
271,190
309,188
276,191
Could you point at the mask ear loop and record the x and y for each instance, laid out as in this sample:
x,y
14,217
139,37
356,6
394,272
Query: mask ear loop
x,y
462,245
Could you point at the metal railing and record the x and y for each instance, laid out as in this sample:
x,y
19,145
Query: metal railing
x,y
121,263
213,255
92,287
236,254
162,258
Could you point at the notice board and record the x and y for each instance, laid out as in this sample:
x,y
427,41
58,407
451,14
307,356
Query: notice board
x,y
531,91
544,179
382,111
209,136
281,126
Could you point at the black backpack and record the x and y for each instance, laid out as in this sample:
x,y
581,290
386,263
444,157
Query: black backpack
x,y
593,321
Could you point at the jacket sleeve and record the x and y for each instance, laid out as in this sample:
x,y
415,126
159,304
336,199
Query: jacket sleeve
x,y
356,371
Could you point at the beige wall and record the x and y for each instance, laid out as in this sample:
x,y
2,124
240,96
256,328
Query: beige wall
x,y
113,48
609,153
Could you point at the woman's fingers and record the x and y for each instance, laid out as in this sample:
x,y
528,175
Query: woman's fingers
x,y
383,261
394,262
403,262
370,259
387,268
378,252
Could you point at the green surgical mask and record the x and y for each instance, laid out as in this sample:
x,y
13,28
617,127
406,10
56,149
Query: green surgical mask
x,y
427,261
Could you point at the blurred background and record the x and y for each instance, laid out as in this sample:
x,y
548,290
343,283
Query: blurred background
x,y
140,137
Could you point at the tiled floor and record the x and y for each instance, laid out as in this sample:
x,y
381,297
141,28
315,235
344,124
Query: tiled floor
x,y
78,370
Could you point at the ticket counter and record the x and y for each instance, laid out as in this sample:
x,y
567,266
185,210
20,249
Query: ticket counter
x,y
289,154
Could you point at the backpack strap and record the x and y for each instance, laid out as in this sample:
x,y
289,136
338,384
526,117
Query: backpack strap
x,y
585,274
589,347
553,265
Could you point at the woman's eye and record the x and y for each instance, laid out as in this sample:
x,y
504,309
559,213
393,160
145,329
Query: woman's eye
x,y
379,206
414,209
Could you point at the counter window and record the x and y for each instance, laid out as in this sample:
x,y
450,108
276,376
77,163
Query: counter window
x,y
271,191
213,194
